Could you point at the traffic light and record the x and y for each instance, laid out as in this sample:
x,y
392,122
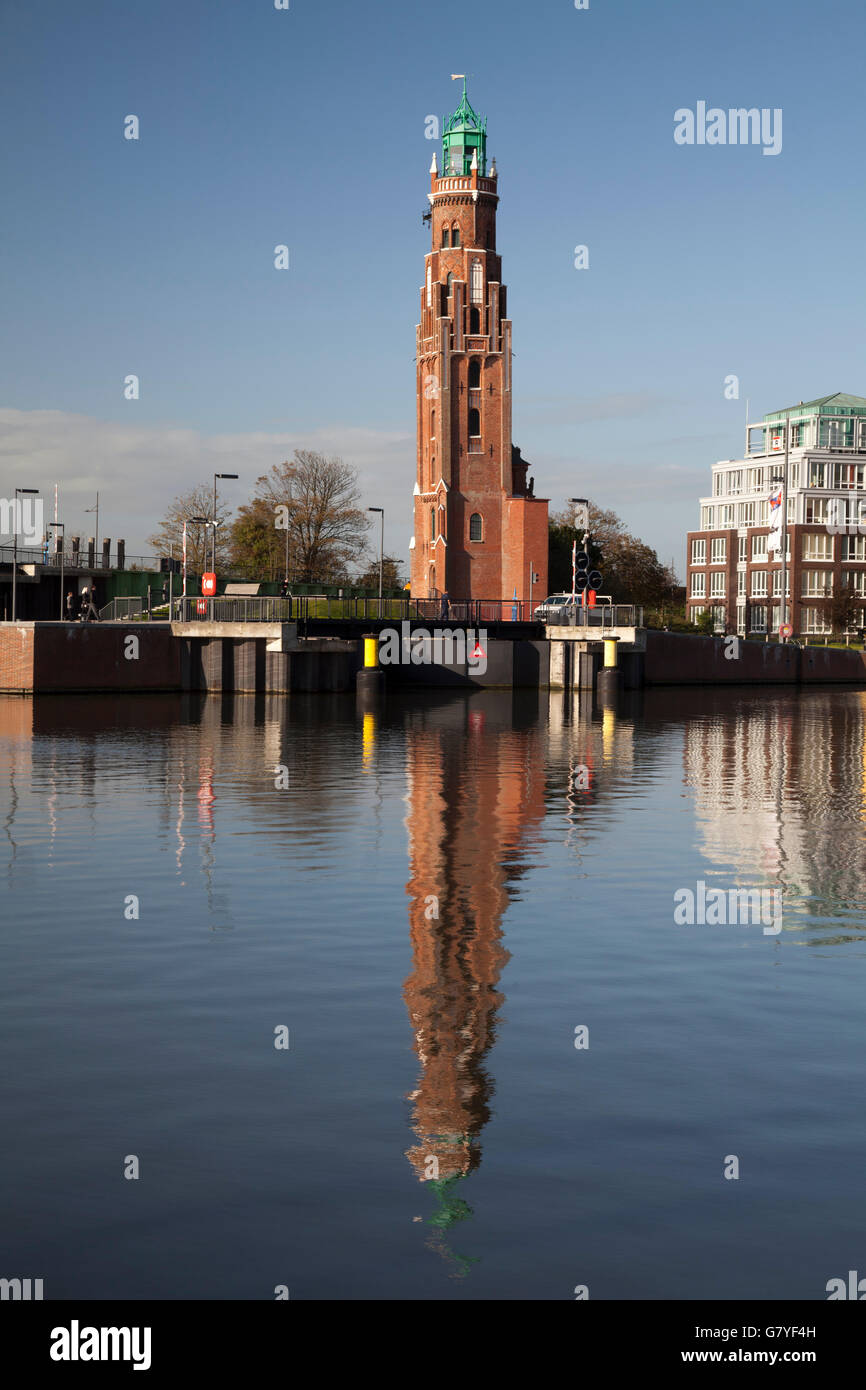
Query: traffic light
x,y
580,575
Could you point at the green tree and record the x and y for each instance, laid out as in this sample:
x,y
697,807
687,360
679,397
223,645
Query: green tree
x,y
311,502
633,572
390,575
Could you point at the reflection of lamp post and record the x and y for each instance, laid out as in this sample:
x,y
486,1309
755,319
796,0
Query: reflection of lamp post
x,y
381,511
59,526
30,492
215,476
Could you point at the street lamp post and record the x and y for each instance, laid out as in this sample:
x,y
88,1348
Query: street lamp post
x,y
381,511
201,521
215,476
580,517
59,526
23,491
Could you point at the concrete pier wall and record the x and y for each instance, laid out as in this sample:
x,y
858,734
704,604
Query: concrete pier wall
x,y
55,657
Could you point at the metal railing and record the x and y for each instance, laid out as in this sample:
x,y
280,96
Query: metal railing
x,y
606,615
122,610
312,607
76,559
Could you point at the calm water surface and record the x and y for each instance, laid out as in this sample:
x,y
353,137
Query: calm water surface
x,y
431,907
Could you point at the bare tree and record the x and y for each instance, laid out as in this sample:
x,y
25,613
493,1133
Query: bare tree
x,y
169,538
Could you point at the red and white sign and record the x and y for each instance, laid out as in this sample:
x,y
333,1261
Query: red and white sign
x,y
777,442
208,585
786,630
201,605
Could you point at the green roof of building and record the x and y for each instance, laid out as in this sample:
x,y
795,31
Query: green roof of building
x,y
839,403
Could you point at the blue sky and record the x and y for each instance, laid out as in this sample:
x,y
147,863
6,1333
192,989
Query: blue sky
x,y
306,127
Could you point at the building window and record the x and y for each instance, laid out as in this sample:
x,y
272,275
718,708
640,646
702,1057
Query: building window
x,y
474,320
854,547
698,612
719,550
741,584
476,283
699,584
759,547
474,374
717,584
817,547
747,510
777,583
446,236
429,285
726,516
432,523
758,618
815,510
699,552
743,548
707,518
475,528
855,582
474,422
719,616
455,235
759,583
817,583
814,621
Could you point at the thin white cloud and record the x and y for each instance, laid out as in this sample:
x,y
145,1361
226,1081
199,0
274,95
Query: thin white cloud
x,y
139,469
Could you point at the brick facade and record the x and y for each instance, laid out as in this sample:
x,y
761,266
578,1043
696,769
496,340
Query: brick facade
x,y
467,466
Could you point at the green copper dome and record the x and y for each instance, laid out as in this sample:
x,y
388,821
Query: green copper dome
x,y
464,134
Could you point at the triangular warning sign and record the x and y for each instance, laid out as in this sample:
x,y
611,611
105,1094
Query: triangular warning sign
x,y
479,651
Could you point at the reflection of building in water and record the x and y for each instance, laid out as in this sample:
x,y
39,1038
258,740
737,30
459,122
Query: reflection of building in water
x,y
780,790
476,791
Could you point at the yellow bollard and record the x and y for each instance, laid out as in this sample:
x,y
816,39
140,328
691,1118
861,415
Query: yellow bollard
x,y
371,652
610,651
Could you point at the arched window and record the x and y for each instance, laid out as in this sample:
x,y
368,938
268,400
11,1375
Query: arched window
x,y
429,285
432,523
474,374
474,421
475,527
432,424
476,283
474,320
455,235
446,236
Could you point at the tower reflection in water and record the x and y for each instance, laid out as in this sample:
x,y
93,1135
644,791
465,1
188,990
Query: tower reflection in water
x,y
475,787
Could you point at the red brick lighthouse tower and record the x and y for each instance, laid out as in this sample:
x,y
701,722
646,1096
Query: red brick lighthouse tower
x,y
479,530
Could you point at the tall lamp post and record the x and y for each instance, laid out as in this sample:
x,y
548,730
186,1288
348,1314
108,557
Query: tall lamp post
x,y
580,517
215,476
381,511
24,492
201,521
783,536
87,512
59,526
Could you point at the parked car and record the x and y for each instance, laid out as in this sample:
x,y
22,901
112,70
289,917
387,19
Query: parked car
x,y
559,608
556,608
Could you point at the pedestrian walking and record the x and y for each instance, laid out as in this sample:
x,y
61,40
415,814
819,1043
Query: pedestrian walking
x,y
443,611
70,617
92,610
